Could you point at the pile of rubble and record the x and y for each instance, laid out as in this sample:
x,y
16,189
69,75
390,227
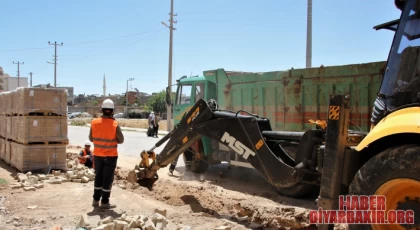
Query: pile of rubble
x,y
157,221
29,182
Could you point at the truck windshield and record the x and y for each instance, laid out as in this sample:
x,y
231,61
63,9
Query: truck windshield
x,y
401,83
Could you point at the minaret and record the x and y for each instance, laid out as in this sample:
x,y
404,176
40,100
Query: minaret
x,y
104,86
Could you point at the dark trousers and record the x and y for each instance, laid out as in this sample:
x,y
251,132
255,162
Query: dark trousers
x,y
104,170
89,163
155,129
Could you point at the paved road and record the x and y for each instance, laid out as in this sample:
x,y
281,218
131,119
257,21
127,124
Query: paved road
x,y
134,142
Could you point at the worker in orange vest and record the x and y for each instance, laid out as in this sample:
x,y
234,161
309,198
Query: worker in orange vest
x,y
85,156
105,133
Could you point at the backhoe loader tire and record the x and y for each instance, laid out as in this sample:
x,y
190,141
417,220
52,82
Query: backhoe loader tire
x,y
197,165
401,162
299,190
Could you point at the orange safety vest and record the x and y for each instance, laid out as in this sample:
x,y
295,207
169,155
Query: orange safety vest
x,y
83,160
104,136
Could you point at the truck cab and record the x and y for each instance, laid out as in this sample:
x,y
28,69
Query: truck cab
x,y
187,92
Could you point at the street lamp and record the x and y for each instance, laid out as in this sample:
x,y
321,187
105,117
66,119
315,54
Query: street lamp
x,y
126,97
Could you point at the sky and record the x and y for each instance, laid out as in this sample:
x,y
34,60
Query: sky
x,y
125,39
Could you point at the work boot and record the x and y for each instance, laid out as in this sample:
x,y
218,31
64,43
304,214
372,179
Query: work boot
x,y
108,206
95,203
171,172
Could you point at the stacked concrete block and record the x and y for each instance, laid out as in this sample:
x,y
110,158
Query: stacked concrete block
x,y
37,157
39,129
2,148
33,126
28,101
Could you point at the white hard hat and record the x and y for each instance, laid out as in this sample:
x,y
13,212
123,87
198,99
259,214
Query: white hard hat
x,y
108,104
152,112
87,143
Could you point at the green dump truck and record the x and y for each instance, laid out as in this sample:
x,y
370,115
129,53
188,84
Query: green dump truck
x,y
289,99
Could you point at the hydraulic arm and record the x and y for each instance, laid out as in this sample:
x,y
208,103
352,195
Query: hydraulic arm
x,y
247,135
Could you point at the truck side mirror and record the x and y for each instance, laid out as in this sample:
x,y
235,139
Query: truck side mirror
x,y
168,97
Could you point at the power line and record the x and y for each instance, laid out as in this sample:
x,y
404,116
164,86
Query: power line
x,y
108,39
55,44
81,43
18,71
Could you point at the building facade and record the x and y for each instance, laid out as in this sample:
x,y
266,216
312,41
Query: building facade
x,y
11,83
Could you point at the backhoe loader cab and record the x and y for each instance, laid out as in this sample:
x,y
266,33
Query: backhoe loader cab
x,y
401,82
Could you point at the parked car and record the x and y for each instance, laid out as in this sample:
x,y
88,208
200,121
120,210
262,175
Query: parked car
x,y
119,115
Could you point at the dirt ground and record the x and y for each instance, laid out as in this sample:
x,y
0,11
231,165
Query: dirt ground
x,y
236,197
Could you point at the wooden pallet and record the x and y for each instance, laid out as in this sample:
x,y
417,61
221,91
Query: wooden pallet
x,y
40,113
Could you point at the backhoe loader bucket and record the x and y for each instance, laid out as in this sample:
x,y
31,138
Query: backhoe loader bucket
x,y
180,139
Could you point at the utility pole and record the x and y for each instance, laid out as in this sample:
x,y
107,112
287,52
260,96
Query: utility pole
x,y
18,71
126,97
30,79
309,36
171,29
55,44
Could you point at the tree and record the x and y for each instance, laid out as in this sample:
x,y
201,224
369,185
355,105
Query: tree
x,y
157,102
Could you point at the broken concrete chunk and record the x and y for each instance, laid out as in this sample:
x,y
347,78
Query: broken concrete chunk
x,y
149,225
161,211
254,226
107,220
32,180
65,180
21,177
133,224
26,184
84,221
69,173
109,226
224,227
73,177
122,186
119,224
158,218
55,181
38,185
16,186
186,228
57,173
79,167
80,174
85,179
41,177
93,221
29,188
77,180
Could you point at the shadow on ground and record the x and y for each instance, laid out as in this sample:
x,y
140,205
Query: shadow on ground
x,y
247,181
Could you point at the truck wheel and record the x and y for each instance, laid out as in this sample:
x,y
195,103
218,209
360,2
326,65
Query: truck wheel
x,y
299,190
197,165
394,173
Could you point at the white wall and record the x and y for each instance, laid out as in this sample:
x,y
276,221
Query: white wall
x,y
11,83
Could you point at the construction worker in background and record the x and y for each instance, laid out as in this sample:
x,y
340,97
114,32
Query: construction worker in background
x,y
85,156
151,122
105,133
156,125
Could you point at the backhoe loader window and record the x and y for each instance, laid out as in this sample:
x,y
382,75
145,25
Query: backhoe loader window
x,y
184,95
401,83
